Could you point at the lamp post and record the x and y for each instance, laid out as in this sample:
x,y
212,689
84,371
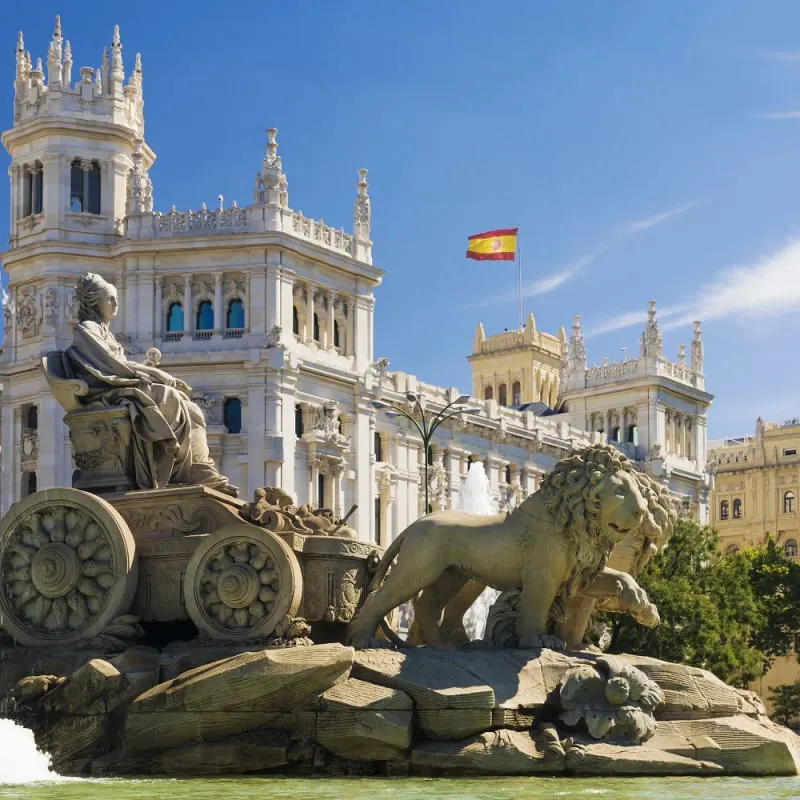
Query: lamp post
x,y
426,425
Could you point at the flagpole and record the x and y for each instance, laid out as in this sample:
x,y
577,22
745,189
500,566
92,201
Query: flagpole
x,y
519,275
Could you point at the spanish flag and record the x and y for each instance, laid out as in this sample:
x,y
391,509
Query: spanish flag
x,y
500,245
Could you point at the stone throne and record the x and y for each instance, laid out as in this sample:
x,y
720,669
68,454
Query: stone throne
x,y
100,434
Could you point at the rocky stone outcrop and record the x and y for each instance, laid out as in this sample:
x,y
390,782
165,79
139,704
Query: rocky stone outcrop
x,y
327,709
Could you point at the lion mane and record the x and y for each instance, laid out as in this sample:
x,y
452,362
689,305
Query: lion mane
x,y
571,494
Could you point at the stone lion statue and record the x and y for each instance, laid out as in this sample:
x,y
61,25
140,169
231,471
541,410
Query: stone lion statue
x,y
553,547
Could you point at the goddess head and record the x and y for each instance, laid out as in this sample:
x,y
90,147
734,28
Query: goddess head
x,y
97,299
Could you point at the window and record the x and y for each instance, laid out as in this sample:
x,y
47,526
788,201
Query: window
x,y
633,435
378,520
737,508
298,420
788,503
488,393
315,332
508,473
734,548
516,394
175,318
790,549
320,491
502,397
234,319
233,415
84,187
723,510
336,339
28,483
32,188
378,447
615,434
205,316
30,417
295,321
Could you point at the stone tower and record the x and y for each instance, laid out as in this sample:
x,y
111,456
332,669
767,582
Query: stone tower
x,y
517,367
77,151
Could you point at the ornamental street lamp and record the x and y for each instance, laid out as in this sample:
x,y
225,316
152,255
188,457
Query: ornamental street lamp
x,y
426,425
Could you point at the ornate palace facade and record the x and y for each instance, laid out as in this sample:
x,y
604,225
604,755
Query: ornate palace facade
x,y
266,313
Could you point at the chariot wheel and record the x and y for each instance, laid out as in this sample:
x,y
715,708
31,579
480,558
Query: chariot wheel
x,y
67,567
241,582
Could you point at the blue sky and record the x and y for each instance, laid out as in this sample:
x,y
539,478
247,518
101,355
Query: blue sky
x,y
648,150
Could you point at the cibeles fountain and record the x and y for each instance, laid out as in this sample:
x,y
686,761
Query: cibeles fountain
x,y
294,665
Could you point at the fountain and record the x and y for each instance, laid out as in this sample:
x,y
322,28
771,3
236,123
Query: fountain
x,y
475,497
22,761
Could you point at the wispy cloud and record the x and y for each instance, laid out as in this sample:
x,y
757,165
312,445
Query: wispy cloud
x,y
637,225
767,288
778,115
559,277
781,55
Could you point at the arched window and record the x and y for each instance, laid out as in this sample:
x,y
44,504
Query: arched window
x,y
320,491
233,415
175,318
31,417
737,508
205,316
298,420
516,394
28,483
734,548
790,549
508,473
235,317
32,187
315,332
502,397
723,510
336,339
615,434
378,447
295,321
788,503
633,434
488,393
84,193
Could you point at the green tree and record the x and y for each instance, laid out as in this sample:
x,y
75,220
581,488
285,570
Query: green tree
x,y
710,616
785,701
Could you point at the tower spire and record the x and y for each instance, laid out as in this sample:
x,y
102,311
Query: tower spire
x,y
22,63
54,56
102,79
66,73
117,74
135,79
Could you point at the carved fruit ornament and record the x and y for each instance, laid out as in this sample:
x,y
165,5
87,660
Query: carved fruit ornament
x,y
67,567
241,582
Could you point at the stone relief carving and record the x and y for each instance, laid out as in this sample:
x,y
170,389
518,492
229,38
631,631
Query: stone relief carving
x,y
274,336
8,315
29,312
51,306
328,424
234,287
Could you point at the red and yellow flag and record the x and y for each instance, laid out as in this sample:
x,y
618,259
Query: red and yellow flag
x,y
499,245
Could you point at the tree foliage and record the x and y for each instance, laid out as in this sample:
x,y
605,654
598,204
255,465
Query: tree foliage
x,y
785,702
731,614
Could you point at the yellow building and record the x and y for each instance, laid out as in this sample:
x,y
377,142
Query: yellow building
x,y
517,367
755,496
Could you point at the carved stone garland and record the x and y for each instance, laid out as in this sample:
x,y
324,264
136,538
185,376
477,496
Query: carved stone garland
x,y
67,563
241,582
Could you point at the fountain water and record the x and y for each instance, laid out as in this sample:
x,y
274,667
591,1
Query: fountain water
x,y
21,761
475,497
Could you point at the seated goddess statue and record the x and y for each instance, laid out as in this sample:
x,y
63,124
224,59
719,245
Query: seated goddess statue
x,y
169,430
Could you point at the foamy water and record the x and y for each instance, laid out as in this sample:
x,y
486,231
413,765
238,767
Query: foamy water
x,y
20,760
475,497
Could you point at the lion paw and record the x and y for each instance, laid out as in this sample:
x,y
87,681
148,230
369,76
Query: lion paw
x,y
541,642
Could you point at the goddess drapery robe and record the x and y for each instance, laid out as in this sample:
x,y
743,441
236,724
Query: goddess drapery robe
x,y
169,430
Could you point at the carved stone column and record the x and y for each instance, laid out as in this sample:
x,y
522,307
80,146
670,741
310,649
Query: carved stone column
x,y
310,313
188,311
219,312
159,323
330,320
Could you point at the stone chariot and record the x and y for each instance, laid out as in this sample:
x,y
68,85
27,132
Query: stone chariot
x,y
74,560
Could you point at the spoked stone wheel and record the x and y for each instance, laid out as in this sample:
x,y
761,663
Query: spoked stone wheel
x,y
67,567
241,582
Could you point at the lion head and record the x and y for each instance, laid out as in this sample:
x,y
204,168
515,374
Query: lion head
x,y
594,496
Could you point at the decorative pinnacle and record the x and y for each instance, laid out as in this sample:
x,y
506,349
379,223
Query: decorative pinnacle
x,y
39,65
20,43
57,28
115,38
272,144
362,182
651,310
67,51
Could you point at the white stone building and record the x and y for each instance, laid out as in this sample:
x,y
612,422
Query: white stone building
x,y
266,313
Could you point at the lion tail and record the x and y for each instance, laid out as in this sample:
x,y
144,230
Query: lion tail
x,y
377,579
